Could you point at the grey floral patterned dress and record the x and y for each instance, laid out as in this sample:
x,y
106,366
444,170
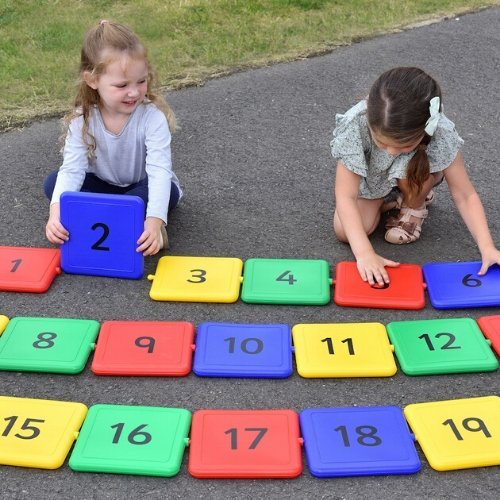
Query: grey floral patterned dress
x,y
379,170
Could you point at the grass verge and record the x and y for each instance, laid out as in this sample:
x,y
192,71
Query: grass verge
x,y
189,40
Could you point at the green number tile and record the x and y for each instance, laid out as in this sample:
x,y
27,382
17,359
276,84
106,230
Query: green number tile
x,y
144,440
439,346
54,345
286,281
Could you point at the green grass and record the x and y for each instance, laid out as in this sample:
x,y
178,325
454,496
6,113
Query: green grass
x,y
188,40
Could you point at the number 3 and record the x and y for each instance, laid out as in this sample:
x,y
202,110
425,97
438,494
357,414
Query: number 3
x,y
200,278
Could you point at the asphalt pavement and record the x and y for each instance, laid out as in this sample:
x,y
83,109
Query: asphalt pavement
x,y
253,158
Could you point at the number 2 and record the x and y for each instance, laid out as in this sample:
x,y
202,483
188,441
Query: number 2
x,y
102,239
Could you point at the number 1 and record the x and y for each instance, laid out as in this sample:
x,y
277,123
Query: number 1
x,y
348,341
16,263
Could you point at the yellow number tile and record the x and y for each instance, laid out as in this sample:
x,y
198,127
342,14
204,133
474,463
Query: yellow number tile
x,y
343,350
37,432
458,434
197,279
3,323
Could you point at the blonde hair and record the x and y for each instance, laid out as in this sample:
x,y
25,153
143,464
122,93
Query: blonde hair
x,y
99,42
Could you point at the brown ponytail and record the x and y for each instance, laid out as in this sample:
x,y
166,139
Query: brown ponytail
x,y
418,169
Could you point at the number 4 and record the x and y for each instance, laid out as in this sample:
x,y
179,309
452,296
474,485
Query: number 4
x,y
283,277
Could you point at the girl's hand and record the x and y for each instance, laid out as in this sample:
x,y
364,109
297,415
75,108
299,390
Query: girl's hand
x,y
150,240
56,233
489,257
371,268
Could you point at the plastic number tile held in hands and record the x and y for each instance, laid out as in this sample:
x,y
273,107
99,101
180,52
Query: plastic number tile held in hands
x,y
103,233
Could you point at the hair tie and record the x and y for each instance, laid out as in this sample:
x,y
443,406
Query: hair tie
x,y
432,122
103,22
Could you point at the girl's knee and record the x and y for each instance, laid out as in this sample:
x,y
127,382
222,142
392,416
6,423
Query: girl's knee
x,y
374,225
338,229
50,183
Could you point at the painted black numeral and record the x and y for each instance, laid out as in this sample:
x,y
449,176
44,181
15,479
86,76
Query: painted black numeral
x,y
471,282
367,435
17,263
287,277
102,239
447,345
244,345
34,431
200,277
233,432
146,343
136,436
481,427
348,341
45,340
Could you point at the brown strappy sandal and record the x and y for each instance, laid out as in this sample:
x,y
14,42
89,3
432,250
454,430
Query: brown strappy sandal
x,y
400,230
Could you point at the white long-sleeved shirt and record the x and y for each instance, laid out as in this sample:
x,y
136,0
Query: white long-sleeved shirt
x,y
141,149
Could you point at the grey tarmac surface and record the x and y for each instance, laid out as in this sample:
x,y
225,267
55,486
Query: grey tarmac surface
x,y
253,158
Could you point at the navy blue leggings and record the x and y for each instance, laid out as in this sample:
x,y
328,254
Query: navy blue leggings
x,y
92,184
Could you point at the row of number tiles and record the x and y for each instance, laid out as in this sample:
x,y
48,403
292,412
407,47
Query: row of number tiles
x,y
105,229
162,348
455,434
277,281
